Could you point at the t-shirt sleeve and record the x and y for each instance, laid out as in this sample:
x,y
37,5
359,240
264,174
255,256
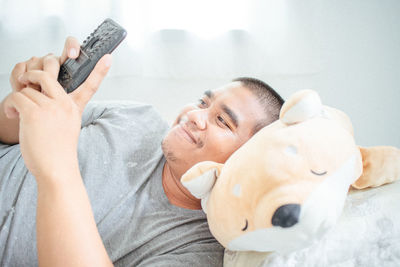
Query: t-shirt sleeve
x,y
2,145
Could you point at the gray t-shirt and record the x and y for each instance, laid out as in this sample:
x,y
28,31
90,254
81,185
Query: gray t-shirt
x,y
121,163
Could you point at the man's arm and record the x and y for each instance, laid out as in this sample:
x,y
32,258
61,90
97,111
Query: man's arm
x,y
9,127
66,230
50,123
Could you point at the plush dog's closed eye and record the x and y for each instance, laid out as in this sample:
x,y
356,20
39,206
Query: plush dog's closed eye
x,y
319,173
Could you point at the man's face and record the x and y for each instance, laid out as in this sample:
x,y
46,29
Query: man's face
x,y
215,127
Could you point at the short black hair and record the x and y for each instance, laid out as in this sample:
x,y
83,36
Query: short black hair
x,y
268,98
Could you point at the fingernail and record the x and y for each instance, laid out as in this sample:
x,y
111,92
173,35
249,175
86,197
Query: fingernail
x,y
73,53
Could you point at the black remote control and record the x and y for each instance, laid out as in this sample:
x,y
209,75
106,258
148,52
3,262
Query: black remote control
x,y
102,41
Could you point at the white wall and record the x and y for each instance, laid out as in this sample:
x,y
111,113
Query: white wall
x,y
348,51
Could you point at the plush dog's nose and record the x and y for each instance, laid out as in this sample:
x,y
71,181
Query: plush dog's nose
x,y
286,215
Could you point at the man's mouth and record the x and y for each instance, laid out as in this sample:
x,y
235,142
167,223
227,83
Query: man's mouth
x,y
186,134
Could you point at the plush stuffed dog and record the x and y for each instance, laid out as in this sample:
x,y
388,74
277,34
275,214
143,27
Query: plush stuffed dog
x,y
286,187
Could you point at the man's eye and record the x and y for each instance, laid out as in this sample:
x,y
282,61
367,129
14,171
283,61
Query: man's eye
x,y
202,103
223,121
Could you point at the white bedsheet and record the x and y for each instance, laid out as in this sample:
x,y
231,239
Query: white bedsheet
x,y
367,234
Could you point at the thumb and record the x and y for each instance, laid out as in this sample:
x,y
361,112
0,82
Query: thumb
x,y
86,90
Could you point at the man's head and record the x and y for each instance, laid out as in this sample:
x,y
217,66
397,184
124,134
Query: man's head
x,y
220,122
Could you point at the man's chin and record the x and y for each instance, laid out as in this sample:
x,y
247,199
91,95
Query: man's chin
x,y
176,148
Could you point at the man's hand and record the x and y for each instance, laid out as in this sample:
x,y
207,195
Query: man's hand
x,y
10,127
71,50
9,118
50,121
49,63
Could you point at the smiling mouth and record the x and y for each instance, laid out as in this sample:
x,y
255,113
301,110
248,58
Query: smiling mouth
x,y
186,134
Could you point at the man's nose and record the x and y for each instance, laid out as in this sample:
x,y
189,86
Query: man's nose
x,y
286,215
198,117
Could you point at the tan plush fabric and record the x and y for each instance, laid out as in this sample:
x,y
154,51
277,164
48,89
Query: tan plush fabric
x,y
381,165
307,159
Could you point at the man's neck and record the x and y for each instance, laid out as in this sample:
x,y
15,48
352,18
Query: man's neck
x,y
176,193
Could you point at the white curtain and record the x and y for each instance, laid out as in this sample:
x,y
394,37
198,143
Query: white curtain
x,y
175,49
174,38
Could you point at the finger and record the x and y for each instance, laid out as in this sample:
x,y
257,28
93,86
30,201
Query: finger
x,y
18,104
34,63
11,113
34,86
51,65
34,95
48,84
86,90
18,70
71,49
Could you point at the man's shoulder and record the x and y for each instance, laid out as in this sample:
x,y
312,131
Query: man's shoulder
x,y
114,106
123,111
124,126
117,103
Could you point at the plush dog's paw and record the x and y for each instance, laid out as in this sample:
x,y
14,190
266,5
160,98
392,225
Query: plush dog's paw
x,y
200,179
381,165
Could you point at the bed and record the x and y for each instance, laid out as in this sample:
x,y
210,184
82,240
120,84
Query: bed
x,y
367,234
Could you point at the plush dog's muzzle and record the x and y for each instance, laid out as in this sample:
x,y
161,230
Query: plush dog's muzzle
x,y
286,215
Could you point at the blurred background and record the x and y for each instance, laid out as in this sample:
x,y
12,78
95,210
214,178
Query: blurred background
x,y
348,51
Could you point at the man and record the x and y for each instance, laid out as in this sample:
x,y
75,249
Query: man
x,y
106,191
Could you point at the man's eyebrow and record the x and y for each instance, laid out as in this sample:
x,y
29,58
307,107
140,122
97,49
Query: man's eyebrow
x,y
232,115
209,94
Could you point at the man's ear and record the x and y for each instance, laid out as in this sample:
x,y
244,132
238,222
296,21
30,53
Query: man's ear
x,y
381,165
200,179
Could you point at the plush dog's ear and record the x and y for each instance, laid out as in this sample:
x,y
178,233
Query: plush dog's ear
x,y
381,165
200,179
301,106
